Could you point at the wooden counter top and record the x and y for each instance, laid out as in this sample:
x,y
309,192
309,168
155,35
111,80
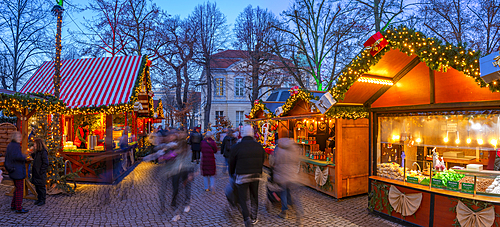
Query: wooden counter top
x,y
438,191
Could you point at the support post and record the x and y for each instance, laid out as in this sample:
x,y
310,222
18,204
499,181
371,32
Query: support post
x,y
109,132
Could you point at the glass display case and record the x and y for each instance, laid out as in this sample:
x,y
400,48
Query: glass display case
x,y
452,152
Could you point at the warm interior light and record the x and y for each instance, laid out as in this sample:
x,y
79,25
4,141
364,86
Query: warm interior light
x,y
493,142
480,141
446,139
321,118
395,137
457,141
418,140
469,140
375,81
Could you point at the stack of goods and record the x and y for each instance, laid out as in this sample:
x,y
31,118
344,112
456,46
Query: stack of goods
x,y
448,175
69,145
390,170
482,184
494,187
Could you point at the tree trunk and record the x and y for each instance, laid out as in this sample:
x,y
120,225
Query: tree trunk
x,y
255,77
208,106
186,90
378,20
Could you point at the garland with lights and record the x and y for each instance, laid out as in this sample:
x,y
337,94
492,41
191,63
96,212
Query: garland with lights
x,y
347,112
292,100
30,101
433,52
259,105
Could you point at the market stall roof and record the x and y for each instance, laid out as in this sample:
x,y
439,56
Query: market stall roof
x,y
89,82
414,71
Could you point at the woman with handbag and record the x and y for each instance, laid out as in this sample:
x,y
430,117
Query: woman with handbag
x,y
208,166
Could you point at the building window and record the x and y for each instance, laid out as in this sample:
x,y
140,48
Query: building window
x,y
219,86
239,118
218,114
239,86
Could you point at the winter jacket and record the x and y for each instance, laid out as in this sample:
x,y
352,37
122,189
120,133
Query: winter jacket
x,y
195,140
226,145
15,161
39,167
286,162
208,150
247,157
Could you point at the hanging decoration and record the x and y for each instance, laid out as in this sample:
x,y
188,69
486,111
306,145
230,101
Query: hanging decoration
x,y
375,43
321,176
324,103
405,204
311,126
468,218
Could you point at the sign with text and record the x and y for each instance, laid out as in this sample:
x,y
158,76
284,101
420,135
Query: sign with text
x,y
412,180
453,185
468,187
438,183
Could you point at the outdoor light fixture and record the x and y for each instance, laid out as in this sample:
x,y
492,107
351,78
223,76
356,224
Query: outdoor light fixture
x,y
480,141
376,81
493,142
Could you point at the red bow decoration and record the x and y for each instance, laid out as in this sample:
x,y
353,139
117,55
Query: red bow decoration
x,y
148,63
376,43
294,90
256,102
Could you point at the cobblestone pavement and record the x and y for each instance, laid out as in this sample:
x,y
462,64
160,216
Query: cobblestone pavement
x,y
104,205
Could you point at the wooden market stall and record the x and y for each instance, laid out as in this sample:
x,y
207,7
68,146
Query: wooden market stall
x,y
108,99
428,105
334,145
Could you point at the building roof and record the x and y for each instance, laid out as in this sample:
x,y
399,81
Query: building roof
x,y
224,59
89,82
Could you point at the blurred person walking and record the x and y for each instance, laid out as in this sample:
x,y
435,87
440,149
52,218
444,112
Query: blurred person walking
x,y
183,173
208,166
285,174
195,139
225,148
245,164
39,170
15,162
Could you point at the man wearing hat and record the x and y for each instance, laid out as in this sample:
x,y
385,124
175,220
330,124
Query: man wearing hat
x,y
81,134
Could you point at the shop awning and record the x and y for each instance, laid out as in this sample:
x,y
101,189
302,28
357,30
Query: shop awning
x,y
89,82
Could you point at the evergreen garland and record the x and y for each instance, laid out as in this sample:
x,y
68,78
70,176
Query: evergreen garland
x,y
433,52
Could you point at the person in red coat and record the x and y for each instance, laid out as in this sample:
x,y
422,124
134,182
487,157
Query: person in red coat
x,y
208,166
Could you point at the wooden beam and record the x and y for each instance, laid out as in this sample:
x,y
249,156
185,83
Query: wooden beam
x,y
405,70
432,86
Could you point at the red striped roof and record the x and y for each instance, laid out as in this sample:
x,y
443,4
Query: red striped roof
x,y
89,82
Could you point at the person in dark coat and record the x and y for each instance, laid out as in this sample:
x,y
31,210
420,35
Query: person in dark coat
x,y
208,166
15,162
39,170
225,148
245,164
195,141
